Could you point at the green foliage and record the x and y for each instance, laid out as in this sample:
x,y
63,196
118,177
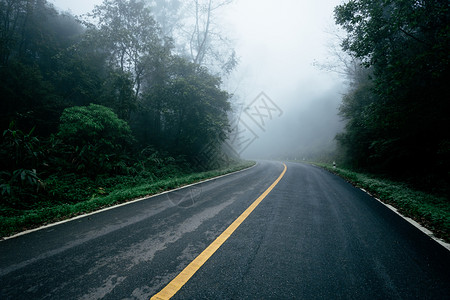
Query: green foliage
x,y
192,106
78,75
432,211
77,201
160,165
32,35
398,122
23,148
82,86
93,124
127,32
96,137
118,93
28,98
21,156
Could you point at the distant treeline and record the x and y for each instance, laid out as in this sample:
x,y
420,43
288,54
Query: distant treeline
x,y
79,99
397,109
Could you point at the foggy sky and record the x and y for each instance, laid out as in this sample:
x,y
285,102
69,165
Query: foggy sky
x,y
277,43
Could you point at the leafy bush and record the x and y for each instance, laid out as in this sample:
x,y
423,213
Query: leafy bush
x,y
81,195
20,156
97,139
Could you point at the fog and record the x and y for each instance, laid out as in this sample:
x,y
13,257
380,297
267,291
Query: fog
x,y
276,43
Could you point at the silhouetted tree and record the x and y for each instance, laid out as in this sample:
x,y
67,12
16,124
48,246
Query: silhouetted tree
x,y
406,43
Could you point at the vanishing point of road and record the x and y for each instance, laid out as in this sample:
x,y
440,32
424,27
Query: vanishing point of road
x,y
274,231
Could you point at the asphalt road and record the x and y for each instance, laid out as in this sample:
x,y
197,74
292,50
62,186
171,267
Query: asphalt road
x,y
314,236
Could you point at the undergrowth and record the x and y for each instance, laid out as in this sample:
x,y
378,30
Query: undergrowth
x,y
432,211
72,196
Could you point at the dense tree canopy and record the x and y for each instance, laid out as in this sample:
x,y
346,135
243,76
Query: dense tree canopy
x,y
103,98
398,119
192,108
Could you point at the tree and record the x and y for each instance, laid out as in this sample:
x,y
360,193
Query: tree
x,y
194,27
127,32
32,37
117,93
359,133
22,157
12,18
407,45
193,108
167,14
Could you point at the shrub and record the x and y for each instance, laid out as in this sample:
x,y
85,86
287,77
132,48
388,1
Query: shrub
x,y
97,137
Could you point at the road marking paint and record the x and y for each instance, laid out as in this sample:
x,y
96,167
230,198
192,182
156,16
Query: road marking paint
x,y
119,205
180,280
414,223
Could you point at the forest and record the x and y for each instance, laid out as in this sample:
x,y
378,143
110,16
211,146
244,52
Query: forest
x,y
397,107
116,99
87,104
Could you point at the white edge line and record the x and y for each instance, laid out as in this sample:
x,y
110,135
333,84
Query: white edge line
x,y
119,205
428,232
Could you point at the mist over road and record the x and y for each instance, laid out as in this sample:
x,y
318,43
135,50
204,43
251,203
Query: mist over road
x,y
312,236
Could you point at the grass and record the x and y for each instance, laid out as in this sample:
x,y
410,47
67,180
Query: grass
x,y
12,222
431,211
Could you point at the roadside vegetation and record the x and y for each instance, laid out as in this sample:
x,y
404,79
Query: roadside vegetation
x,y
396,109
395,143
394,58
73,196
100,109
430,210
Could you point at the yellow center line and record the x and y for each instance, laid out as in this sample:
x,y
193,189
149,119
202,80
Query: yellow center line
x,y
177,283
